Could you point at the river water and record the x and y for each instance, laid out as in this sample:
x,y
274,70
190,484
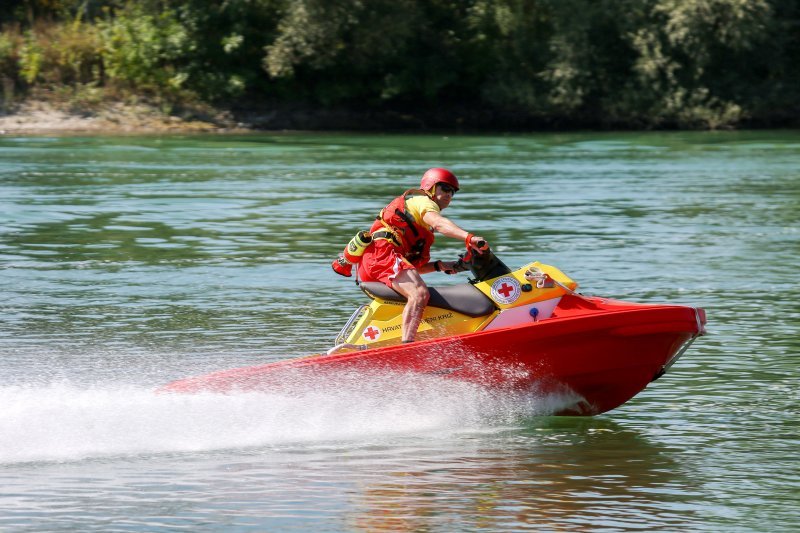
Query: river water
x,y
127,262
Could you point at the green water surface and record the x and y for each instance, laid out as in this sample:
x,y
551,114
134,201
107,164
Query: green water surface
x,y
126,262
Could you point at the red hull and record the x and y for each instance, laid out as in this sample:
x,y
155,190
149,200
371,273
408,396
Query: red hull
x,y
603,351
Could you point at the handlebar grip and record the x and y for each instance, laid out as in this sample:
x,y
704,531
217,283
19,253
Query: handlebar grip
x,y
481,243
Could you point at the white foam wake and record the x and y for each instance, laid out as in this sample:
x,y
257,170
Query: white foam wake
x,y
63,421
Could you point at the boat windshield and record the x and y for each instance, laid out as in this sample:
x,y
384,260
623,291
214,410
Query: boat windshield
x,y
486,266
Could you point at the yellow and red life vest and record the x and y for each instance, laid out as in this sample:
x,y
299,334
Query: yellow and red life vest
x,y
397,225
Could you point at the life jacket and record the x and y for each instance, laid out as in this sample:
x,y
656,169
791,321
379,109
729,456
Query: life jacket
x,y
397,225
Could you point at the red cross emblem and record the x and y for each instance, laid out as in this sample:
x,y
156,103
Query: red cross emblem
x,y
505,289
372,333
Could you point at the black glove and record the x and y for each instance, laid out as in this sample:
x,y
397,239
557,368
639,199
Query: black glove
x,y
459,266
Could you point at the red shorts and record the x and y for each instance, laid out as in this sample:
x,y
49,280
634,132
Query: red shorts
x,y
382,262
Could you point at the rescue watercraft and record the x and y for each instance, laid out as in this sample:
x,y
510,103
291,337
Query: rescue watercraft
x,y
509,331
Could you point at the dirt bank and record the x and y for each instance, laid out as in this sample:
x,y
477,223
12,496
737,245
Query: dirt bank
x,y
44,118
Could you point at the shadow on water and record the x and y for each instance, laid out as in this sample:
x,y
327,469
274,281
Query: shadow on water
x,y
556,472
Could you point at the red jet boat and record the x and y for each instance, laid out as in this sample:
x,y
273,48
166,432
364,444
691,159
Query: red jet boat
x,y
531,333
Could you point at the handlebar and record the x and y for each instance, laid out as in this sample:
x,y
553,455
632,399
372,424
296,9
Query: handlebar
x,y
483,265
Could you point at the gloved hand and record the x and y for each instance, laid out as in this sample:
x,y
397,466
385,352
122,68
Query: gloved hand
x,y
459,266
477,243
450,267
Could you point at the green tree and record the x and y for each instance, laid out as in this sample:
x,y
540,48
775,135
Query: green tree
x,y
145,50
642,63
693,56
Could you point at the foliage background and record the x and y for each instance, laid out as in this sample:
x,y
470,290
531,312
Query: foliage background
x,y
427,63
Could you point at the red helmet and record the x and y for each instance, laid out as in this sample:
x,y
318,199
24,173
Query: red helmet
x,y
437,175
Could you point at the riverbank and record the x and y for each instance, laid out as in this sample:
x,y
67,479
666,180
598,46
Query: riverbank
x,y
42,117
46,118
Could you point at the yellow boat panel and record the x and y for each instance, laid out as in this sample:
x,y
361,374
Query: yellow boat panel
x,y
520,287
381,323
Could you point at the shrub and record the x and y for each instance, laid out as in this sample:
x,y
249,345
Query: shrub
x,y
9,67
61,54
146,51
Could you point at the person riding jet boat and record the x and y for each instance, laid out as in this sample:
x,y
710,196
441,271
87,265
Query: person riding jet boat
x,y
396,250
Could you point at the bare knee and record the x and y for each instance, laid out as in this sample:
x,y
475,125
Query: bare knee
x,y
419,296
409,284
